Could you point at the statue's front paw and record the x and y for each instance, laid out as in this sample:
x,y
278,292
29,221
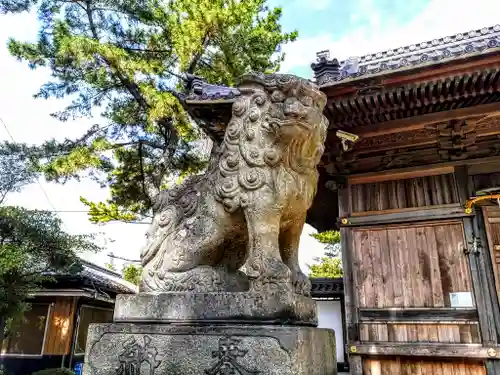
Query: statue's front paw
x,y
271,275
269,268
252,271
302,284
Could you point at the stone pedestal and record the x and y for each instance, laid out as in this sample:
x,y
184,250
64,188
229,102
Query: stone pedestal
x,y
147,349
211,334
216,308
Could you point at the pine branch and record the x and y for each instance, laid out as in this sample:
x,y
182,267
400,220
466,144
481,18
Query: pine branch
x,y
143,177
197,57
128,84
123,56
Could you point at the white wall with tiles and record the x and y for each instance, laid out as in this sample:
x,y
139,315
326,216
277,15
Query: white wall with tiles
x,y
330,316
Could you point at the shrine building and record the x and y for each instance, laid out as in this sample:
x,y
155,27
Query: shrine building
x,y
412,169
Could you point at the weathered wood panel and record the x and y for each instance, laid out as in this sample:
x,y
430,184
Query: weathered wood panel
x,y
410,261
492,220
485,181
416,332
471,352
60,329
410,366
408,193
405,215
409,266
426,314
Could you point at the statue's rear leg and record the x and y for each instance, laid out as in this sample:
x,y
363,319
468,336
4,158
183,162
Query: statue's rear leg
x,y
191,262
264,266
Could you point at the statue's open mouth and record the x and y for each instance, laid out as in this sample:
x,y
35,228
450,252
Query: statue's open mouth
x,y
301,122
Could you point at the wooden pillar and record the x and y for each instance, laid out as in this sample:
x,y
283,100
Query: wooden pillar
x,y
344,333
481,270
351,312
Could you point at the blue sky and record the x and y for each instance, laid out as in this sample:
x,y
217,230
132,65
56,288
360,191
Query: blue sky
x,y
345,27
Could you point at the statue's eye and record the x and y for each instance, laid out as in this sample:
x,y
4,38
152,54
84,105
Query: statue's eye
x,y
307,101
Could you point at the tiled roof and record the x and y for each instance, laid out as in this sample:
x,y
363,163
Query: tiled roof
x,y
326,287
107,278
98,276
201,90
330,71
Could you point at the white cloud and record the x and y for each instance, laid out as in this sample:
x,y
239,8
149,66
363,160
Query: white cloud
x,y
367,10
437,20
303,51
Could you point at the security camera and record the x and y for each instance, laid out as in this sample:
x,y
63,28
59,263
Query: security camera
x,y
347,139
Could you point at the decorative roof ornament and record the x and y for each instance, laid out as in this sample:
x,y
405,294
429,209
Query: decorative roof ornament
x,y
323,56
102,276
99,277
325,68
351,65
481,41
198,89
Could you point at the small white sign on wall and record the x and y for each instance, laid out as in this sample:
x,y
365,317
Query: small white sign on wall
x,y
461,299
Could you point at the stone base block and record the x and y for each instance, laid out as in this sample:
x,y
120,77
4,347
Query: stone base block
x,y
216,308
142,349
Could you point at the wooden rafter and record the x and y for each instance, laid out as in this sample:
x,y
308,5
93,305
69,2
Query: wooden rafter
x,y
414,100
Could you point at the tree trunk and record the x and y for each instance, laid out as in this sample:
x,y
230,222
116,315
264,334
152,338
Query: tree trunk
x,y
2,331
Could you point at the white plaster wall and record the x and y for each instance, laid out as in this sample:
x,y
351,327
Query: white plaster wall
x,y
330,316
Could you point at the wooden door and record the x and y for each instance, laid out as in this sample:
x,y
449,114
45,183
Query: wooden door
x,y
405,257
492,220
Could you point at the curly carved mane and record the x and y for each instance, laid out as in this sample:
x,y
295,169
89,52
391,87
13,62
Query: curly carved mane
x,y
275,133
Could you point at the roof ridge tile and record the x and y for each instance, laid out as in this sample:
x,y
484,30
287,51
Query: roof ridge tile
x,y
330,71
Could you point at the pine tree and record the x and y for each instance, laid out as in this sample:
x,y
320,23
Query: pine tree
x,y
126,60
132,273
330,265
110,266
330,238
327,267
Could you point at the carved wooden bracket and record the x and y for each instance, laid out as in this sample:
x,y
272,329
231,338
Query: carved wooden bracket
x,y
457,138
396,159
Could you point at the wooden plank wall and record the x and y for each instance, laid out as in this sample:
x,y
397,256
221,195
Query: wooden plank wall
x,y
405,366
60,329
492,219
412,265
405,268
407,193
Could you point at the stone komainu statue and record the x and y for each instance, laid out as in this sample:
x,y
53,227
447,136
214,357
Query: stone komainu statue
x,y
238,226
